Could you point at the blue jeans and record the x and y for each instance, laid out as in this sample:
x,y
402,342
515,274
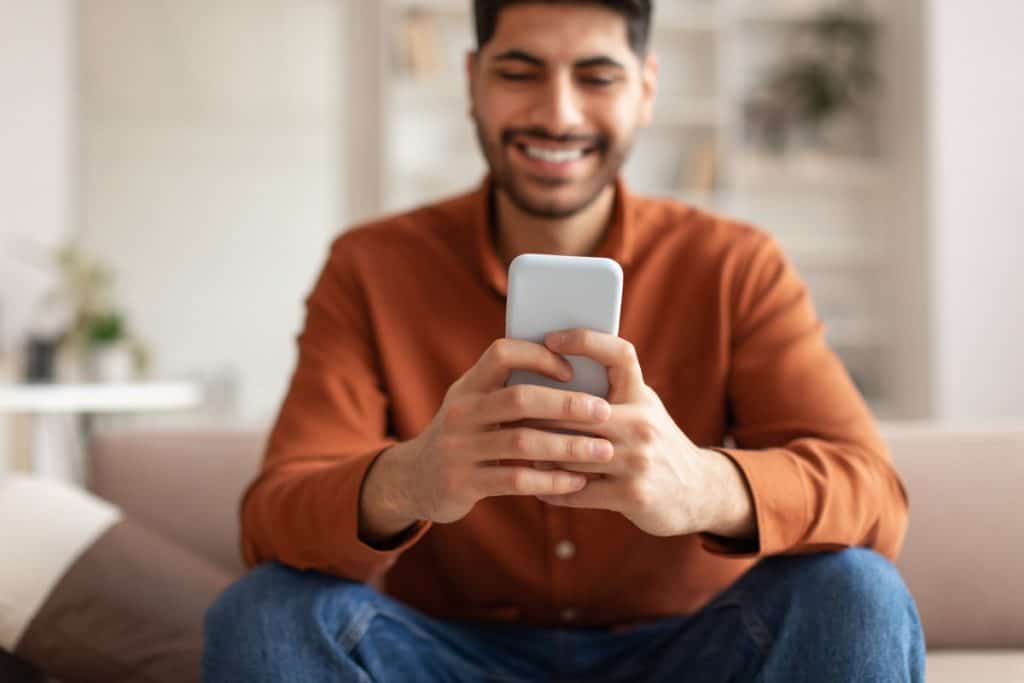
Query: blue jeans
x,y
834,617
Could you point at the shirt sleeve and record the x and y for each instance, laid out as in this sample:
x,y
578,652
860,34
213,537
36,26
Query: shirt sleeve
x,y
818,470
303,508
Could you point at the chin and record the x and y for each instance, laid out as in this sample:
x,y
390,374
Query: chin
x,y
554,201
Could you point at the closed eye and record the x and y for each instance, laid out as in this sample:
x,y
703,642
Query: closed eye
x,y
515,76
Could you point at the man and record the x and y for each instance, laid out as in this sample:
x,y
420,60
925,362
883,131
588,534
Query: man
x,y
649,551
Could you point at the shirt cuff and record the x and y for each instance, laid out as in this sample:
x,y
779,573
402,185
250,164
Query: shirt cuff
x,y
780,505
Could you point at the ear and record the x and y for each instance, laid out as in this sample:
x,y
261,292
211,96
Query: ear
x,y
472,60
649,88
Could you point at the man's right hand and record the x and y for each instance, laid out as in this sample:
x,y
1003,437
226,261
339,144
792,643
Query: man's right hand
x,y
466,454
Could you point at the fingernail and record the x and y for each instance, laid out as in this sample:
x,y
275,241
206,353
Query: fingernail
x,y
600,449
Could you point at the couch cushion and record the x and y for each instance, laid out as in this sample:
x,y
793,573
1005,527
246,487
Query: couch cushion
x,y
186,485
976,666
963,559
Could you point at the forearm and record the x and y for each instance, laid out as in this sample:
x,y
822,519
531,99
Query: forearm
x,y
385,509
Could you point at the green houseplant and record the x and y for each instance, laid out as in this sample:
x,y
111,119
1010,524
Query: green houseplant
x,y
829,75
97,334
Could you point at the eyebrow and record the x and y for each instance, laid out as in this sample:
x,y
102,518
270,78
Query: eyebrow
x,y
588,62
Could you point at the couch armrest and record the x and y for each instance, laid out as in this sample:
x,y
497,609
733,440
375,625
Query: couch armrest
x,y
964,555
186,485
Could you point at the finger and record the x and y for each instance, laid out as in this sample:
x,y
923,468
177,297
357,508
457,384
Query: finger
x,y
608,469
535,445
531,401
526,481
599,494
615,353
615,429
505,355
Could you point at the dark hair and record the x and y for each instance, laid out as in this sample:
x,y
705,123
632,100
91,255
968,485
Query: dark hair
x,y
637,14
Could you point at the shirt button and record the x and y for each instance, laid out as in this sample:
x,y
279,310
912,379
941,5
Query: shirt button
x,y
569,614
565,549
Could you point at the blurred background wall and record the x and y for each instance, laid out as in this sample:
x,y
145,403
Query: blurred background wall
x,y
38,149
976,175
212,174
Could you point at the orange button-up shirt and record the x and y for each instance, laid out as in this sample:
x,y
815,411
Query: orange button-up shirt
x,y
726,335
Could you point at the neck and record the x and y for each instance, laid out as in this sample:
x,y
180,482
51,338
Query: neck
x,y
578,235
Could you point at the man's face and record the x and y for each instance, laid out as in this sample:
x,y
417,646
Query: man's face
x,y
557,96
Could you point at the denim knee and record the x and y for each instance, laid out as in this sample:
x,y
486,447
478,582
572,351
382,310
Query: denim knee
x,y
274,605
855,592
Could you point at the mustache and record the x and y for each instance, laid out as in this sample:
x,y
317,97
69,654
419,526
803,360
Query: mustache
x,y
509,134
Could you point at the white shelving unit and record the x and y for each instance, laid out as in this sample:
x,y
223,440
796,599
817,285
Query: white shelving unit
x,y
831,213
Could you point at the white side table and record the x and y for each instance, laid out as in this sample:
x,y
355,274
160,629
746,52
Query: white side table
x,y
50,406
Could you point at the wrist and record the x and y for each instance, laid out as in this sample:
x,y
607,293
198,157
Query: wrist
x,y
385,506
732,512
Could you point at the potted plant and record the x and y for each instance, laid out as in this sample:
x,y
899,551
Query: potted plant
x,y
816,97
112,355
97,338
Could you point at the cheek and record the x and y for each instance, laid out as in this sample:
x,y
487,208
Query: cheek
x,y
615,118
498,110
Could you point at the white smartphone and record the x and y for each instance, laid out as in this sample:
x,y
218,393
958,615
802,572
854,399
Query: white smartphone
x,y
548,293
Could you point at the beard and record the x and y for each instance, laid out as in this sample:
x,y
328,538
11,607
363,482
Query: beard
x,y
516,185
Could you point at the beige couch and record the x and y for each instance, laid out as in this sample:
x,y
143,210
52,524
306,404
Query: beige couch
x,y
963,560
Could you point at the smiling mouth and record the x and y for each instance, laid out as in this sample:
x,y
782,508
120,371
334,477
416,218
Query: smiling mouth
x,y
555,156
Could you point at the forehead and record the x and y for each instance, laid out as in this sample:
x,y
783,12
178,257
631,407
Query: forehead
x,y
560,33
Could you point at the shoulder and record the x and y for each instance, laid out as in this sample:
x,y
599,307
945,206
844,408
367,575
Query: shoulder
x,y
423,230
667,226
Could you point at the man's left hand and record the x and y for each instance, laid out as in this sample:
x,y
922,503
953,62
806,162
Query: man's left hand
x,y
657,478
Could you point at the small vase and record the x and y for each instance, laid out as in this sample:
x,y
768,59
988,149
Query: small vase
x,y
111,363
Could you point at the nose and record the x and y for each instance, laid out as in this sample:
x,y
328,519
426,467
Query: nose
x,y
559,109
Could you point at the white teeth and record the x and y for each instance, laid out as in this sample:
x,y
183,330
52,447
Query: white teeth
x,y
554,156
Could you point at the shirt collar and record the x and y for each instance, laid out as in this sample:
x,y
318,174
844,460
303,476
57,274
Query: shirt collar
x,y
617,244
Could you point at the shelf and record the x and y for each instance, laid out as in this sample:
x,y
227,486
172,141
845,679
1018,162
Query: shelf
x,y
753,171
687,111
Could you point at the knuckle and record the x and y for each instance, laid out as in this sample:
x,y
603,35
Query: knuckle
x,y
500,351
520,482
628,351
644,432
639,493
518,398
519,441
638,462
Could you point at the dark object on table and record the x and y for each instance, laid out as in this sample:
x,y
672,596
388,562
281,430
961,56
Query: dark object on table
x,y
40,359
